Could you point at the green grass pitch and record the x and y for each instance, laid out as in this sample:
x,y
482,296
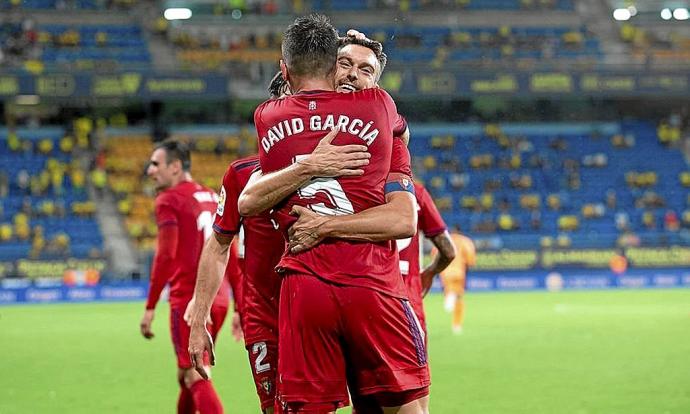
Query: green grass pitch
x,y
570,352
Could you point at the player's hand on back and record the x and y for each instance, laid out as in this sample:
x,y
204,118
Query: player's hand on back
x,y
200,341
328,160
307,231
145,324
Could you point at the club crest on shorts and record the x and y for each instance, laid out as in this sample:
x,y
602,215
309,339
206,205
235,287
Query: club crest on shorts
x,y
312,105
266,385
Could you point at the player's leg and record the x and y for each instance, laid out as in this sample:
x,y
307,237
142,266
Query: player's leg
x,y
386,353
185,401
459,307
263,359
218,315
260,327
205,398
449,297
311,363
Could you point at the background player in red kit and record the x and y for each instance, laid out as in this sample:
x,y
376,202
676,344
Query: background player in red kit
x,y
184,214
431,224
264,246
330,292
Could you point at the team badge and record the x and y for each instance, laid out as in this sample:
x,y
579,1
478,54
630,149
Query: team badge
x,y
221,202
312,105
266,385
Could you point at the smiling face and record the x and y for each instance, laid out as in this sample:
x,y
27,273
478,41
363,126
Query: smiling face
x,y
356,69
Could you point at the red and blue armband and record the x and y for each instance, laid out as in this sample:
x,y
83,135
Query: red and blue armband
x,y
398,182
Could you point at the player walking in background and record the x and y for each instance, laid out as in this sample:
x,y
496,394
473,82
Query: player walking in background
x,y
330,292
455,278
184,214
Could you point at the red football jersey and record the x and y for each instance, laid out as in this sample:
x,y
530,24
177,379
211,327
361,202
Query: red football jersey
x,y
188,206
291,127
429,222
261,247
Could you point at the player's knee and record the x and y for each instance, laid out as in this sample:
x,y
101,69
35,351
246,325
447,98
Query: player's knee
x,y
190,376
404,402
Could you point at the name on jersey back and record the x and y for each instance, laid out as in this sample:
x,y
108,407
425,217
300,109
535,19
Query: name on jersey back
x,y
290,127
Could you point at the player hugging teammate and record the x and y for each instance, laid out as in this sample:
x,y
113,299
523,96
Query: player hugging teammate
x,y
325,211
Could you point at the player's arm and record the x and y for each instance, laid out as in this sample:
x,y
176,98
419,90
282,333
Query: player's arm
x,y
396,219
263,192
163,264
209,278
445,255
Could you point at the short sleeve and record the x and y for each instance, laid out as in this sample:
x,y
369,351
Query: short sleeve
x,y
430,221
399,126
400,158
227,220
400,173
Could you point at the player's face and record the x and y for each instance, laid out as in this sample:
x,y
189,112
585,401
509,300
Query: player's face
x,y
159,170
356,69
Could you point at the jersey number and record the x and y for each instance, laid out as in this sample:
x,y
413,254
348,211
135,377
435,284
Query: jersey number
x,y
330,188
205,222
261,349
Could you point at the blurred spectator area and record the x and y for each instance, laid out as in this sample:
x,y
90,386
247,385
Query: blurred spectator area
x,y
35,47
67,4
413,5
88,46
126,158
213,46
45,209
661,44
567,185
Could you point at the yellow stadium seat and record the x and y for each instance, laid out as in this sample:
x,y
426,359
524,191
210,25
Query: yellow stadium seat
x,y
568,223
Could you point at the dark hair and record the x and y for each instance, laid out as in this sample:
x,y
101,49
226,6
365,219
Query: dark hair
x,y
277,86
310,46
176,150
373,45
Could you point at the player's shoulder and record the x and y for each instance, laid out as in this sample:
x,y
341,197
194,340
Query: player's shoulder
x,y
374,93
244,163
166,195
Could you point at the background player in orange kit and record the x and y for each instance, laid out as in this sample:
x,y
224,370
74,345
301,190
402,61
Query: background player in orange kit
x,y
455,278
184,214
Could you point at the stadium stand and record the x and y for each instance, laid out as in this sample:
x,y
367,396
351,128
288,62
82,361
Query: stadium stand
x,y
126,157
578,186
46,209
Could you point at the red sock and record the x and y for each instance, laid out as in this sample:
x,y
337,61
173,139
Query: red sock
x,y
205,398
185,402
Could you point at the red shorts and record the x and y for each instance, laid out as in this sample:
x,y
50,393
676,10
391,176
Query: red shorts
x,y
179,331
414,293
332,334
263,359
260,308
